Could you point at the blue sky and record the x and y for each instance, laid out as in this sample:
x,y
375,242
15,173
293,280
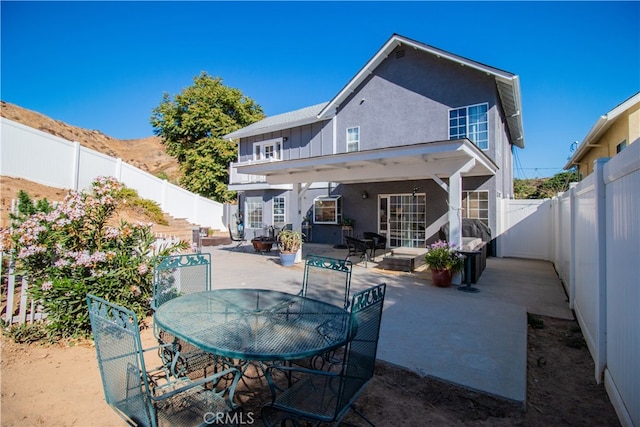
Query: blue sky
x,y
105,65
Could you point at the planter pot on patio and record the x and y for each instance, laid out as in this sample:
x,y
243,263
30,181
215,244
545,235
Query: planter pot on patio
x,y
441,278
260,245
286,259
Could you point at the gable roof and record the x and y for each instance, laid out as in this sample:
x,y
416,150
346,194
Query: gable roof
x,y
602,124
508,86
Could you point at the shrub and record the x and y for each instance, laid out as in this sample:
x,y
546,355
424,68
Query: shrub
x,y
150,208
70,250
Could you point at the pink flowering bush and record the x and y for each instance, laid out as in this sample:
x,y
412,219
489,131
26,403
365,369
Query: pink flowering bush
x,y
69,250
443,256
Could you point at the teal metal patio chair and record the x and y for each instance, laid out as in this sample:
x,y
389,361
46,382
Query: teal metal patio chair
x,y
319,396
327,279
151,398
176,275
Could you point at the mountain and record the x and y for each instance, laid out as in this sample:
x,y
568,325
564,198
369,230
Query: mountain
x,y
147,154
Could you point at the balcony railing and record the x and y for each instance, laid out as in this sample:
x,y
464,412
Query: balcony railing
x,y
236,178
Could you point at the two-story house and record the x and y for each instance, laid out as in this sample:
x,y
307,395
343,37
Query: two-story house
x,y
417,138
611,134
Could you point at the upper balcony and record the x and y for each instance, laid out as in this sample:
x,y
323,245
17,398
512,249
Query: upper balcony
x,y
243,181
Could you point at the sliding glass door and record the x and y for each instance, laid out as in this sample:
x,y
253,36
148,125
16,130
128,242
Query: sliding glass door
x,y
402,218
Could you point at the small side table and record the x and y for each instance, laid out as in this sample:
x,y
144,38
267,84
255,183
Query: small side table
x,y
467,271
347,230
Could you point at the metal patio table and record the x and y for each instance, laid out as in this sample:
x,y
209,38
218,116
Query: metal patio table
x,y
255,324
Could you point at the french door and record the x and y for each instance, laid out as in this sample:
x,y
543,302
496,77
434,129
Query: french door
x,y
402,218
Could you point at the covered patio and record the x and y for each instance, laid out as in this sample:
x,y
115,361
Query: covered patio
x,y
450,160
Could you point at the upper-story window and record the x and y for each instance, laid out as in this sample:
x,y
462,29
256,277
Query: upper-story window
x,y
267,150
353,139
470,122
621,146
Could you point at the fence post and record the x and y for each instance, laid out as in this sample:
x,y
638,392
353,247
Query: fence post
x,y
572,246
11,289
118,171
22,313
601,233
75,170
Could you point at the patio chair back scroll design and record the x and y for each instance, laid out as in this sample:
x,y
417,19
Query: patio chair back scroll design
x,y
149,398
327,396
327,279
176,275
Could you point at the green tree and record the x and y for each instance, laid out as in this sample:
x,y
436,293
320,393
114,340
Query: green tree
x,y
556,184
191,126
544,188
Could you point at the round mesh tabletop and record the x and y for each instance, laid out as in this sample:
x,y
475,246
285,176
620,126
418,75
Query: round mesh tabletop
x,y
255,324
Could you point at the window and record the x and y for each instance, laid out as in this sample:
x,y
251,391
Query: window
x,y
278,210
253,218
353,139
470,122
327,210
621,146
267,150
475,205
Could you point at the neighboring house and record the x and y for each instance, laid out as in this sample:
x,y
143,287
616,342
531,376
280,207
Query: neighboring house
x,y
417,138
611,134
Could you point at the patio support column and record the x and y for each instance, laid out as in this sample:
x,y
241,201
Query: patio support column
x,y
455,203
455,209
295,206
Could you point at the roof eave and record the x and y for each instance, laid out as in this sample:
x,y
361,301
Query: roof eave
x,y
273,128
603,123
516,127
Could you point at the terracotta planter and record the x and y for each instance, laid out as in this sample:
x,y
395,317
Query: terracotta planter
x,y
441,278
262,245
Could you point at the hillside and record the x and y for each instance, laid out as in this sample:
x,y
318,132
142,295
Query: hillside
x,y
147,154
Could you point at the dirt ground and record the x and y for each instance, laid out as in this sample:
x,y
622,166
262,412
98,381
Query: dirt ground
x,y
59,385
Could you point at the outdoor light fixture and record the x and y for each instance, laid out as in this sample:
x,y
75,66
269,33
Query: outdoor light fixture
x,y
365,195
415,190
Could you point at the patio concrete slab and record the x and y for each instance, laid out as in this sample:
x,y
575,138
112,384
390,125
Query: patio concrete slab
x,y
475,340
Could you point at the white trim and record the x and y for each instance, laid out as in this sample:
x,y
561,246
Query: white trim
x,y
466,135
387,48
465,204
334,125
273,208
602,124
346,146
275,142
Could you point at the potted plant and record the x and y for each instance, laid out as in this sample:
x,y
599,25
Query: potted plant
x,y
348,223
444,262
290,243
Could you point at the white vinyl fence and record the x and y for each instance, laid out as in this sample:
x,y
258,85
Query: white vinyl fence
x,y
592,235
37,156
